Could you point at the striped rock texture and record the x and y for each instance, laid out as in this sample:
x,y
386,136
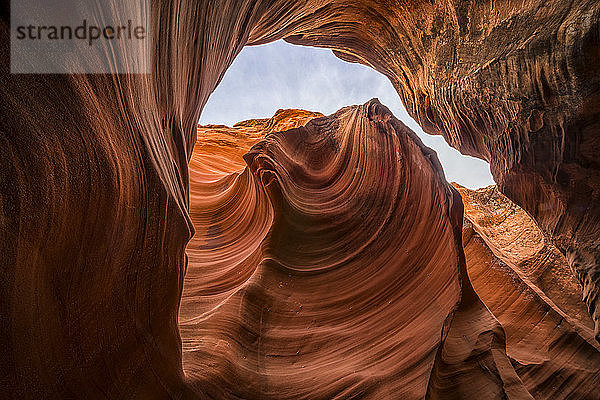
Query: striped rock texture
x,y
95,210
332,267
527,284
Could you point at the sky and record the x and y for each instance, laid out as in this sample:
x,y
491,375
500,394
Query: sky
x,y
265,78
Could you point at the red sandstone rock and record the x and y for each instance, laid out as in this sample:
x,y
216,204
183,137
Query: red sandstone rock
x,y
94,177
528,286
341,274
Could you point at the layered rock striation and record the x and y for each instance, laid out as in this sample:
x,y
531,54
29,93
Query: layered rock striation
x,y
526,314
527,284
332,267
94,180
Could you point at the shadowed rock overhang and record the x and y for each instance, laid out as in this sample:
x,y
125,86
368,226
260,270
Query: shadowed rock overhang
x,y
94,188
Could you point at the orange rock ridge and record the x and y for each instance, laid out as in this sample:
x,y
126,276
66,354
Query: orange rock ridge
x,y
262,287
96,211
550,347
528,285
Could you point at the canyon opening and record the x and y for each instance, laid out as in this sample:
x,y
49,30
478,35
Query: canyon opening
x,y
276,76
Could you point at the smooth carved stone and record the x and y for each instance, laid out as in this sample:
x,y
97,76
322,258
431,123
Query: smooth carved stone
x,y
528,286
336,271
94,181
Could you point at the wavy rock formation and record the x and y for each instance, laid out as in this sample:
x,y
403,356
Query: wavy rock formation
x,y
229,210
221,148
528,286
94,216
332,267
515,83
525,281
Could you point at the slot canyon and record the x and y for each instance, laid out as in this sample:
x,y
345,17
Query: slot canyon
x,y
303,255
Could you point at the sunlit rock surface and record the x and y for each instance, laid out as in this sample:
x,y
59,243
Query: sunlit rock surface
x,y
94,182
527,285
241,256
332,266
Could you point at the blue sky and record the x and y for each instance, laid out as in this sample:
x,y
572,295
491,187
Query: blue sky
x,y
277,75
